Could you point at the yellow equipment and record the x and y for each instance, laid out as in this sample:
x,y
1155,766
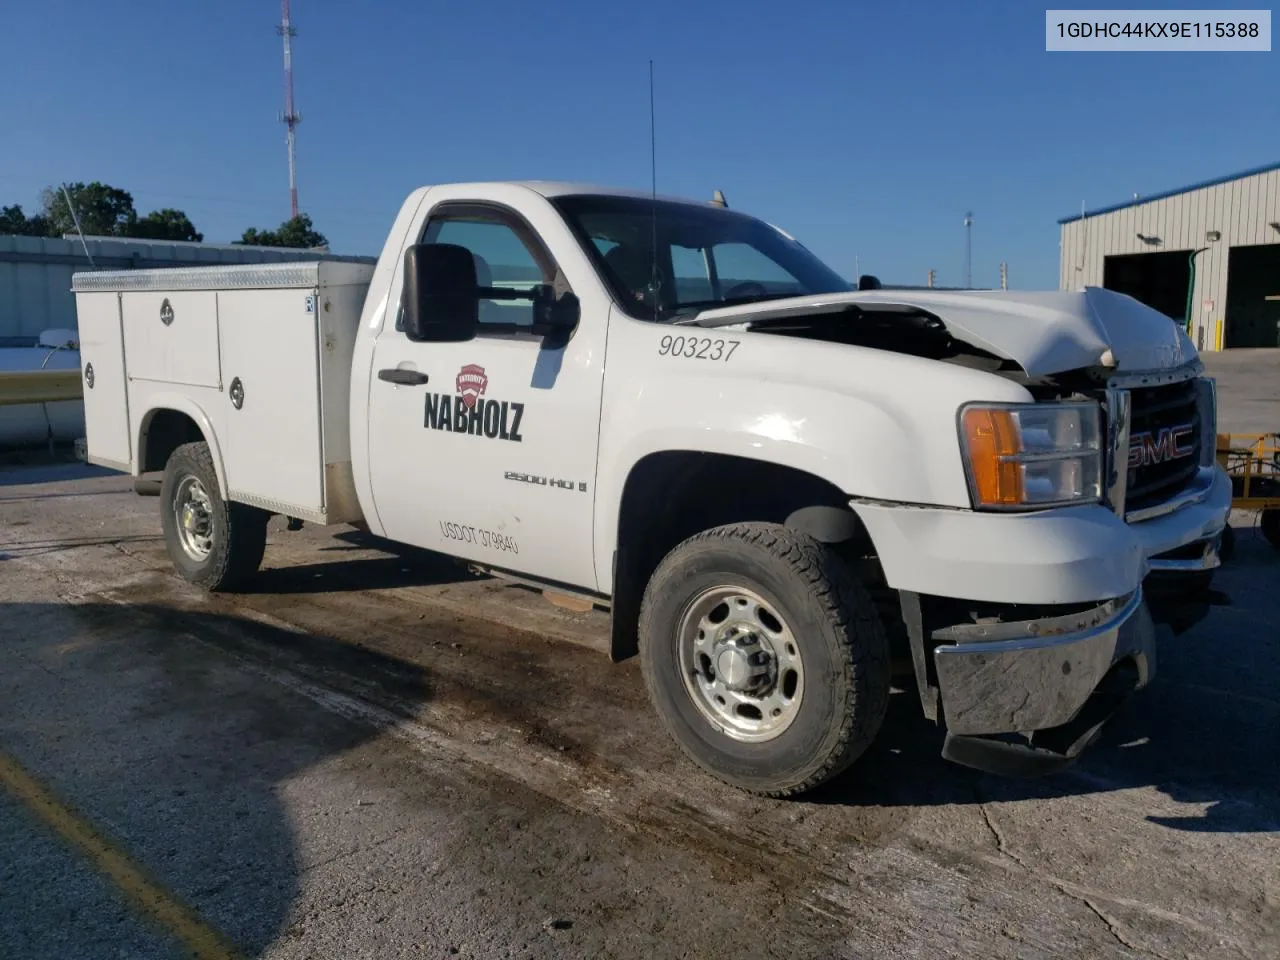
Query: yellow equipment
x,y
1252,461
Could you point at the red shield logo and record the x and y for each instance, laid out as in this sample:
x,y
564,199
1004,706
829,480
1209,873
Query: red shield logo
x,y
471,383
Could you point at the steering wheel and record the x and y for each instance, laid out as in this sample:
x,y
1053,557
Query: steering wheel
x,y
747,289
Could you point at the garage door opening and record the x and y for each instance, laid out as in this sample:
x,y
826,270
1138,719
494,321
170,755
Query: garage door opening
x,y
1253,276
1157,279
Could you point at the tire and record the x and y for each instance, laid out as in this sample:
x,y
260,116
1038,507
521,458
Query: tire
x,y
235,534
837,671
1270,524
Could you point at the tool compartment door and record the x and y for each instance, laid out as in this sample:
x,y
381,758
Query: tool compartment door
x,y
271,386
103,377
171,336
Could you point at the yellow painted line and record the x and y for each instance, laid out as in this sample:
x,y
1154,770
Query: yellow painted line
x,y
148,896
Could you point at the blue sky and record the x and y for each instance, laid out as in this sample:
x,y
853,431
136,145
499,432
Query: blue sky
x,y
865,129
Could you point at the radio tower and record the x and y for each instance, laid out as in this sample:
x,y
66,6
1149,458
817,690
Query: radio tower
x,y
289,118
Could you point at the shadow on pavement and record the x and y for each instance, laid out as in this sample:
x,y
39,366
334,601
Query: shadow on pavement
x,y
19,470
1206,731
406,566
61,496
137,718
30,548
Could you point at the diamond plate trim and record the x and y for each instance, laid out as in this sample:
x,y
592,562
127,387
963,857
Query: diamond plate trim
x,y
223,277
320,516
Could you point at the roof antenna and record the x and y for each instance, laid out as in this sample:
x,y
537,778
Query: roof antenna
x,y
653,173
76,220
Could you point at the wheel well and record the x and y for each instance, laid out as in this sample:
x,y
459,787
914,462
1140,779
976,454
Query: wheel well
x,y
670,496
163,432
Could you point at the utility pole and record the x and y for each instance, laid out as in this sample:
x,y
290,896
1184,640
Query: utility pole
x,y
968,250
289,118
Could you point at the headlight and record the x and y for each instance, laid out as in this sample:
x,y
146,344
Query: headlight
x,y
1032,455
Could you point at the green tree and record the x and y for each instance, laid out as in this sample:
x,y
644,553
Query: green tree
x,y
104,211
259,238
14,221
166,224
295,232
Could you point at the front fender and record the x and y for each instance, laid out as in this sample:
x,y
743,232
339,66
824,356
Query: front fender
x,y
874,424
156,402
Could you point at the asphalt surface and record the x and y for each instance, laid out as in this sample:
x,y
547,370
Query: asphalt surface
x,y
1248,389
374,754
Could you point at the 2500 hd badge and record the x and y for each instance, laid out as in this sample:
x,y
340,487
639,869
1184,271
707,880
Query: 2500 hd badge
x,y
467,412
544,481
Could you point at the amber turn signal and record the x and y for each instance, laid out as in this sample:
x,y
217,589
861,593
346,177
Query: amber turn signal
x,y
993,445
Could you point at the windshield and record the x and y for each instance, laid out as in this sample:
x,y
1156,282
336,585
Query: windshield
x,y
706,257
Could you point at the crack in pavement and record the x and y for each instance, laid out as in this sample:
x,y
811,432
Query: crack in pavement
x,y
1064,887
341,855
38,665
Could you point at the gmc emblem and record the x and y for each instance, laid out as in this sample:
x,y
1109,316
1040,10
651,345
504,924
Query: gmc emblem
x,y
1165,444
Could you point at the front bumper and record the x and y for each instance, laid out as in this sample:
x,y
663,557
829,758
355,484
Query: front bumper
x,y
1028,697
1039,674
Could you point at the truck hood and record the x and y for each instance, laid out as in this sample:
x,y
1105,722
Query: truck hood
x,y
1042,332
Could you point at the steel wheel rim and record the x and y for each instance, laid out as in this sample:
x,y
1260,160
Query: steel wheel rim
x,y
740,663
193,516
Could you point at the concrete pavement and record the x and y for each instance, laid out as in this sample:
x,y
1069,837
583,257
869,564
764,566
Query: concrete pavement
x,y
374,754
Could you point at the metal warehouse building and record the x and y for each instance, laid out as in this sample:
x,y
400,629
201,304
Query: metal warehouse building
x,y
35,272
1211,249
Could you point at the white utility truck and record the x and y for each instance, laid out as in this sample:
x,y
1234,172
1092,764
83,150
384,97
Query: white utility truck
x,y
789,491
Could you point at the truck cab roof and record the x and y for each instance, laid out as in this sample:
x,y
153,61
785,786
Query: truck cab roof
x,y
567,188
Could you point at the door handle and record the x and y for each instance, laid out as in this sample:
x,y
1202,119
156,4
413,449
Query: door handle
x,y
409,378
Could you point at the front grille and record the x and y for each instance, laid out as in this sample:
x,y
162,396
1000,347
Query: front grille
x,y
1160,448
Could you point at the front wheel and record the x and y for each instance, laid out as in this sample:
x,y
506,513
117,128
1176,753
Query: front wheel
x,y
764,656
211,542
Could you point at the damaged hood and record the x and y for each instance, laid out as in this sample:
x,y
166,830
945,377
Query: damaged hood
x,y
1043,332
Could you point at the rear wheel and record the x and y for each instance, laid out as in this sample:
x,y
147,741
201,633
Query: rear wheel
x,y
764,657
211,542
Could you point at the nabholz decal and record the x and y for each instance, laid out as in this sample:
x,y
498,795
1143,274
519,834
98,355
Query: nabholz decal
x,y
468,411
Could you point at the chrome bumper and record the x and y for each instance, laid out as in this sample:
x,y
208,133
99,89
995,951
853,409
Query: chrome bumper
x,y
1196,492
1195,557
1039,674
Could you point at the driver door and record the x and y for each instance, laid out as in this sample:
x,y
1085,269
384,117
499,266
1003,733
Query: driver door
x,y
493,457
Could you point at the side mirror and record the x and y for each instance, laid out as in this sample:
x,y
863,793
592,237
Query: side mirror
x,y
555,314
441,301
